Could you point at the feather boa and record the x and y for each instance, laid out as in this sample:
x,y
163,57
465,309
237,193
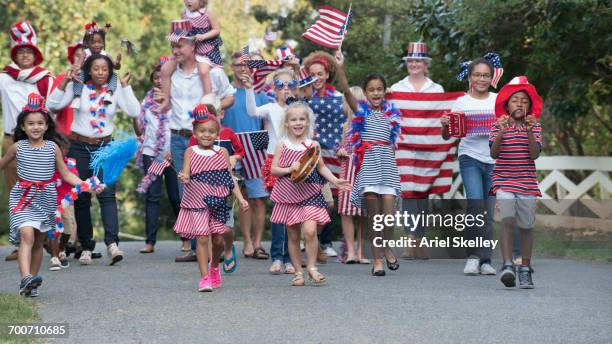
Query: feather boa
x,y
160,134
67,200
113,158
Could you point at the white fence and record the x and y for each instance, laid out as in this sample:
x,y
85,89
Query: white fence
x,y
560,194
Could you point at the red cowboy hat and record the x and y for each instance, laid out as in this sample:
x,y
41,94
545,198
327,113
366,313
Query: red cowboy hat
x,y
71,49
23,35
518,83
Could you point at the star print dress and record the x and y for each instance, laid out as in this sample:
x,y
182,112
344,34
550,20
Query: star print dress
x,y
208,50
204,210
32,200
296,203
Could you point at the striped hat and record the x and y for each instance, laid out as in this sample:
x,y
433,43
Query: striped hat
x,y
36,103
284,53
179,28
417,50
23,35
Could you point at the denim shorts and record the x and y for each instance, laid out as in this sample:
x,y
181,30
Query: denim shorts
x,y
255,188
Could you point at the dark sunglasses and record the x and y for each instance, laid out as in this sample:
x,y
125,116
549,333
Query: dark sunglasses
x,y
279,85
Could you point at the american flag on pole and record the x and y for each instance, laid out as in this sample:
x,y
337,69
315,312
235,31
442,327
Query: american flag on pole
x,y
329,119
424,158
329,29
261,69
255,144
155,170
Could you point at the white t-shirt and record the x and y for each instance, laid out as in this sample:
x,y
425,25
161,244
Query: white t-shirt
x,y
404,85
14,97
272,113
186,92
476,147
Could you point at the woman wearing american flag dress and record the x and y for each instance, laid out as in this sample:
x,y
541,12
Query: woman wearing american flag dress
x,y
300,205
208,183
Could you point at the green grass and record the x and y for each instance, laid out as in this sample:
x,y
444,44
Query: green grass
x,y
15,309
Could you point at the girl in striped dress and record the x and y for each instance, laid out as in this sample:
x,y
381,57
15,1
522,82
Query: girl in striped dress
x,y
348,212
300,205
32,201
374,132
204,210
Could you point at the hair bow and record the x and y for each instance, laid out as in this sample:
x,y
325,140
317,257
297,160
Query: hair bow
x,y
494,59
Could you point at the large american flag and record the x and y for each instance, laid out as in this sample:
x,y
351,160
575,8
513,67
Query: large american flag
x,y
329,119
329,29
261,69
424,158
255,144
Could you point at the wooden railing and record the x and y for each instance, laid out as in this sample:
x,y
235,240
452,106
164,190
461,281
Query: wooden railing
x,y
564,203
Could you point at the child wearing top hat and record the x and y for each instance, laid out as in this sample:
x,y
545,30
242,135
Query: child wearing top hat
x,y
515,142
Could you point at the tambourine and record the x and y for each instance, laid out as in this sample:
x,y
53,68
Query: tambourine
x,y
474,123
308,163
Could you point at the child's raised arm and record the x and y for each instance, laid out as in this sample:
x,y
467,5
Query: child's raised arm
x,y
348,95
10,154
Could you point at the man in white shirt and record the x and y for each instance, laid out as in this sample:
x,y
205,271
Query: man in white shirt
x,y
185,93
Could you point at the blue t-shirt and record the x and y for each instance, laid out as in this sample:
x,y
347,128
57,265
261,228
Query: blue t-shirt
x,y
237,117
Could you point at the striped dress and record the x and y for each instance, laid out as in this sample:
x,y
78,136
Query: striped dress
x,y
514,170
295,203
379,167
209,48
32,200
204,209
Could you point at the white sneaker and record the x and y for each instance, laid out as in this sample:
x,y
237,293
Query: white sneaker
x,y
471,267
114,253
54,264
85,258
487,269
330,252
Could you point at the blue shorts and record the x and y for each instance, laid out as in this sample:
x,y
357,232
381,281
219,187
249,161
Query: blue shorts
x,y
255,188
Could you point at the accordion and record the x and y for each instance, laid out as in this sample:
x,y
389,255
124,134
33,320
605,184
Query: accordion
x,y
462,124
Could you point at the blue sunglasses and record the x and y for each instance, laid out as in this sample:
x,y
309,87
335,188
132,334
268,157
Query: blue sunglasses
x,y
279,85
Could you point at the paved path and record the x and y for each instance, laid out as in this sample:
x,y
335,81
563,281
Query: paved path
x,y
151,299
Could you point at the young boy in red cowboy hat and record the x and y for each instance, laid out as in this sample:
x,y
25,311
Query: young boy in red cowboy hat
x,y
18,79
515,142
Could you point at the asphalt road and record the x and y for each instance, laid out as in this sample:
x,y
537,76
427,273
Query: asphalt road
x,y
151,299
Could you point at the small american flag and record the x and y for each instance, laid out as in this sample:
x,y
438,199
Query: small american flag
x,y
261,69
255,144
157,167
227,144
329,29
329,119
244,54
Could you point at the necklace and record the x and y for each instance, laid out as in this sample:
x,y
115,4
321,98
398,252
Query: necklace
x,y
97,109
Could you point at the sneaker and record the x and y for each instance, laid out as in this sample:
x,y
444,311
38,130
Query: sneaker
x,y
205,283
507,276
215,277
28,283
524,275
64,264
85,258
275,268
471,267
114,253
289,268
33,292
55,264
330,252
487,269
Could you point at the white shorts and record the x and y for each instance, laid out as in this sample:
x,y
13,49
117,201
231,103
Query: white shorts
x,y
379,189
522,207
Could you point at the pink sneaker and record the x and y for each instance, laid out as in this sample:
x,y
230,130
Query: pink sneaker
x,y
215,277
205,283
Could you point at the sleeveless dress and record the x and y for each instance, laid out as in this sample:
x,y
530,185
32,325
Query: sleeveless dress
x,y
378,170
347,171
204,210
295,203
209,48
32,201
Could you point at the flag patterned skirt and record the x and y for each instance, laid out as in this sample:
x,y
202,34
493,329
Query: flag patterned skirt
x,y
295,203
347,171
204,209
379,167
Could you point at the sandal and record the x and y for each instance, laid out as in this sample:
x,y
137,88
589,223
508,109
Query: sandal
x,y
351,260
232,261
298,280
316,277
260,253
275,269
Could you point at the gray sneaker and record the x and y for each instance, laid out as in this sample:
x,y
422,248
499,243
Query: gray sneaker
x,y
524,274
507,276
